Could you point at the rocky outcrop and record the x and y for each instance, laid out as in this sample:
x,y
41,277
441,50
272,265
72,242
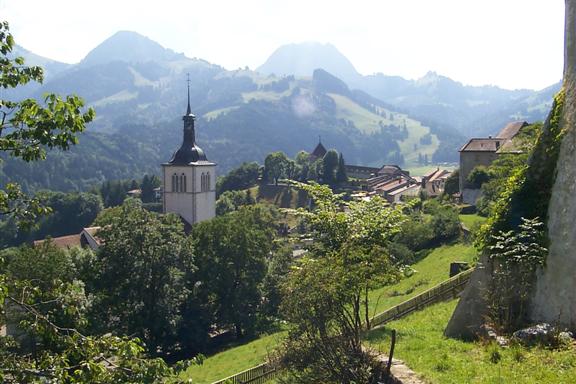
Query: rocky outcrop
x,y
555,297
548,189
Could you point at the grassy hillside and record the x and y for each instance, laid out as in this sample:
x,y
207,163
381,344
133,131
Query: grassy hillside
x,y
429,271
233,360
470,221
369,122
437,359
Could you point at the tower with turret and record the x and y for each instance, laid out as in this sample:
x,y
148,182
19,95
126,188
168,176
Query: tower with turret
x,y
188,178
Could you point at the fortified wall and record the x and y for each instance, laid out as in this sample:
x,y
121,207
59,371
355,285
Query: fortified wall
x,y
554,297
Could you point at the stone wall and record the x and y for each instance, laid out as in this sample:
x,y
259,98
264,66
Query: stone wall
x,y
555,297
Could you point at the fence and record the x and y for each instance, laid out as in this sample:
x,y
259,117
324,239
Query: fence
x,y
255,375
444,290
449,288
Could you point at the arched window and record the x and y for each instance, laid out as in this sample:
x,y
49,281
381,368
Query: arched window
x,y
174,183
183,183
202,182
207,181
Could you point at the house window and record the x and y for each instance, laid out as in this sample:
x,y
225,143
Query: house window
x,y
207,181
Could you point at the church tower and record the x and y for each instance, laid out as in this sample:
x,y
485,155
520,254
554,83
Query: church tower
x,y
189,179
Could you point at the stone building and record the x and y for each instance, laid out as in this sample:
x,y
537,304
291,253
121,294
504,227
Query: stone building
x,y
483,151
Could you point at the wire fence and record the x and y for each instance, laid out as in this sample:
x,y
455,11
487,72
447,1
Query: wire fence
x,y
450,288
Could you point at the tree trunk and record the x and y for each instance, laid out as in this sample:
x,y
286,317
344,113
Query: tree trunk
x,y
367,314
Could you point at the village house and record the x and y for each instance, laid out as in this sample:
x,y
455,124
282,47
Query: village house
x,y
434,181
87,238
483,151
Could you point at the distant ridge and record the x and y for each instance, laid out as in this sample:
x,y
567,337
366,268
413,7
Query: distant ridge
x,y
51,67
303,58
130,47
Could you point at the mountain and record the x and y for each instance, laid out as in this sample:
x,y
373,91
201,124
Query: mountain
x,y
241,116
302,59
52,68
434,99
437,98
139,94
128,47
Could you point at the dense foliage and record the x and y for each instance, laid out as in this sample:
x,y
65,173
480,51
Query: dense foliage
x,y
515,257
232,254
42,299
70,212
139,277
242,177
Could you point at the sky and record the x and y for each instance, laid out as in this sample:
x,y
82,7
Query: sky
x,y
509,43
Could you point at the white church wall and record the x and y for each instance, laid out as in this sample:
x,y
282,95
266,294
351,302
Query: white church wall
x,y
194,205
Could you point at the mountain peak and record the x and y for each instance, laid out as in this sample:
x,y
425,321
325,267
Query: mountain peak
x,y
128,46
301,59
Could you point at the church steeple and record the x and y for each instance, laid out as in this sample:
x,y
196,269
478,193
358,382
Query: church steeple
x,y
188,111
188,152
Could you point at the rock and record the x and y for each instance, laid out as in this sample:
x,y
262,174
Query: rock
x,y
542,333
488,333
566,337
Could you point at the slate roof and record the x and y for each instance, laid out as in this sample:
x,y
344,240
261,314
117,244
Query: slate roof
x,y
490,144
319,151
511,129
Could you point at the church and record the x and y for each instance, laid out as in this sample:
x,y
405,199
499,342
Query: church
x,y
189,179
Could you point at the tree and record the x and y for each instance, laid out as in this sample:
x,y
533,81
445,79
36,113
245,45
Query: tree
x,y
149,183
140,276
326,297
275,165
329,165
70,212
45,300
515,258
245,176
452,185
341,176
232,251
232,200
28,128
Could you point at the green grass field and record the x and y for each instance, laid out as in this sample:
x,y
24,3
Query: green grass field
x,y
470,221
233,360
368,122
422,346
421,170
430,271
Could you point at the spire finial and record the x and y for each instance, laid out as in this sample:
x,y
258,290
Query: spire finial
x,y
188,111
319,139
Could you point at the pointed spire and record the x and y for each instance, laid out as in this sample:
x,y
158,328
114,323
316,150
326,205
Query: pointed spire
x,y
188,110
319,139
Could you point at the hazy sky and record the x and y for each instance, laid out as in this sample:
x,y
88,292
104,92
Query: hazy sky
x,y
509,43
